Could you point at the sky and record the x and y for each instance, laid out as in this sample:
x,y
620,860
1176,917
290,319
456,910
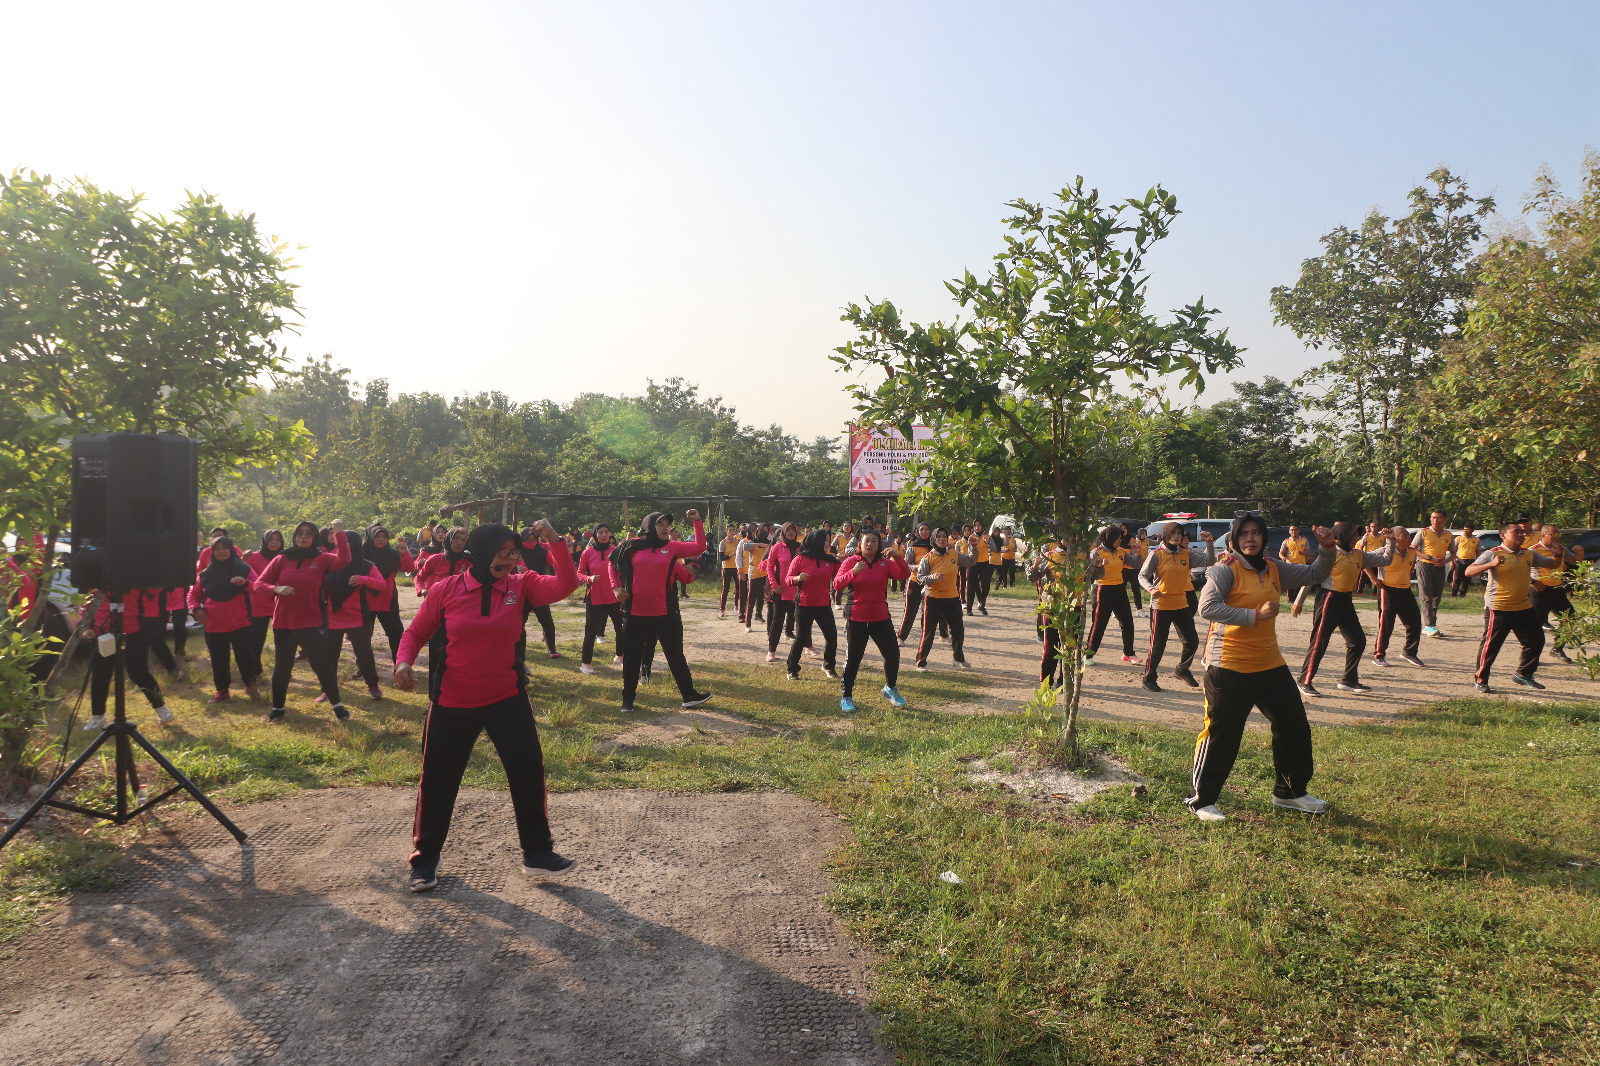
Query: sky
x,y
550,199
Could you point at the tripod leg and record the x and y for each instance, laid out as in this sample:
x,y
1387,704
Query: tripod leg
x,y
189,786
55,786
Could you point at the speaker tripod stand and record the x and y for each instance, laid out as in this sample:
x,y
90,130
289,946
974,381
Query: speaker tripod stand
x,y
123,735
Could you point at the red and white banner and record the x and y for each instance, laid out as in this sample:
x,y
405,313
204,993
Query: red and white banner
x,y
878,455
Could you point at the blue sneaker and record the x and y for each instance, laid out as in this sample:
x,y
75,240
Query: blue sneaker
x,y
893,696
847,704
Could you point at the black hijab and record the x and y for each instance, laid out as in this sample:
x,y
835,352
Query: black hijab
x,y
338,583
270,554
454,557
1258,561
646,539
387,558
535,552
217,578
298,554
483,544
815,546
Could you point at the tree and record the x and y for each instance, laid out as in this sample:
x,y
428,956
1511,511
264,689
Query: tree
x,y
1386,297
1027,387
112,319
1521,393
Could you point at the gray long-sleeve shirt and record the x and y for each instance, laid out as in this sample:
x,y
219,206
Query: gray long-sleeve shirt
x,y
1219,582
1150,573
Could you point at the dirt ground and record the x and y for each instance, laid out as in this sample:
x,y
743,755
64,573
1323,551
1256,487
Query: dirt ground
x,y
693,931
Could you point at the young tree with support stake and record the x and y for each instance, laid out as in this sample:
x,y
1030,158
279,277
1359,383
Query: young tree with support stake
x,y
1033,385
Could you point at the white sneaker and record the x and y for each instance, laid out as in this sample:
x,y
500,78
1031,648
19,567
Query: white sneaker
x,y
772,656
747,629
586,668
1307,803
1210,813
962,664
616,660
95,724
1140,613
163,714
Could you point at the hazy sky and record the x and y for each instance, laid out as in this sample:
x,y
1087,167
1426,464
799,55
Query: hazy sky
x,y
550,199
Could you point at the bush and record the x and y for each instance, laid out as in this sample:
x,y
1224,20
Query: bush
x,y
20,695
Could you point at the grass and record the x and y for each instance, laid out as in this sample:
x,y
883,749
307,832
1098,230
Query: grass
x,y
1447,910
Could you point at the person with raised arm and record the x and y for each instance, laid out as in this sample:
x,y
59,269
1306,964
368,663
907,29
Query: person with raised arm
x,y
1167,574
296,578
1507,606
479,683
866,575
643,577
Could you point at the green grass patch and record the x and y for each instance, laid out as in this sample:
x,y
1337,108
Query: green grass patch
x,y
1449,906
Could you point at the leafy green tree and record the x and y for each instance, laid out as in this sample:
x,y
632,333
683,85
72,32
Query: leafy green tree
x,y
1027,385
1520,395
1386,297
113,319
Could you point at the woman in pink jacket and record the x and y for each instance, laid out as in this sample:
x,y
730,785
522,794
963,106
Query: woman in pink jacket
x,y
810,573
347,590
220,600
867,575
779,591
642,573
600,602
296,577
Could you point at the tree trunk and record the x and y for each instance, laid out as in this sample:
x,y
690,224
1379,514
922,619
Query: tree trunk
x,y
1071,636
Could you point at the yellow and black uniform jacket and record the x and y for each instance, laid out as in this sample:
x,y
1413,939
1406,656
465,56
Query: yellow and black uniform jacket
x,y
1506,586
1467,548
1433,547
937,571
1106,565
730,548
1347,567
1295,550
1168,575
1396,573
1237,639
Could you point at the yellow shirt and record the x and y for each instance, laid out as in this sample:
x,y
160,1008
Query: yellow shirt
x,y
1248,649
947,563
1175,582
980,547
1467,548
1397,575
839,541
917,552
1435,546
1551,577
1294,550
1008,549
729,546
1507,585
1346,573
1114,564
754,554
1372,542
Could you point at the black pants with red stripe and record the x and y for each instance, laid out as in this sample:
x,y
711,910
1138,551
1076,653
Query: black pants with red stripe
x,y
914,596
1230,697
730,579
1401,604
1110,600
447,740
1496,624
1335,610
979,578
1160,622
941,612
1551,601
755,596
1050,662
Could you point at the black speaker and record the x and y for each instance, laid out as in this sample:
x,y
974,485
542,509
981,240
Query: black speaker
x,y
135,507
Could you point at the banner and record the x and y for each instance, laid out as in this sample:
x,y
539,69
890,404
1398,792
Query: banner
x,y
878,456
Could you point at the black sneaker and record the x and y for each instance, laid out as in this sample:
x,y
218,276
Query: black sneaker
x,y
340,713
1412,659
792,677
1357,689
276,714
1561,653
1187,678
424,874
699,699
983,610
1149,685
1308,690
547,864
1526,682
830,673
1482,686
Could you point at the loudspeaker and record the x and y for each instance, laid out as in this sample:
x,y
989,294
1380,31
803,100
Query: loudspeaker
x,y
135,507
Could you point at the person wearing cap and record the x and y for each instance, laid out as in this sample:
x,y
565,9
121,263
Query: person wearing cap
x,y
1246,671
480,684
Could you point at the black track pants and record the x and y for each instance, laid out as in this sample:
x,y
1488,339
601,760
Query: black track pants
x,y
360,646
259,628
1130,581
1335,610
180,630
393,628
755,599
730,579
1230,696
1496,624
547,623
154,632
1051,661
644,631
285,642
1549,602
594,623
857,634
937,612
823,617
1401,604
1459,582
1160,622
980,576
241,644
447,740
914,598
780,617
1110,600
136,656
